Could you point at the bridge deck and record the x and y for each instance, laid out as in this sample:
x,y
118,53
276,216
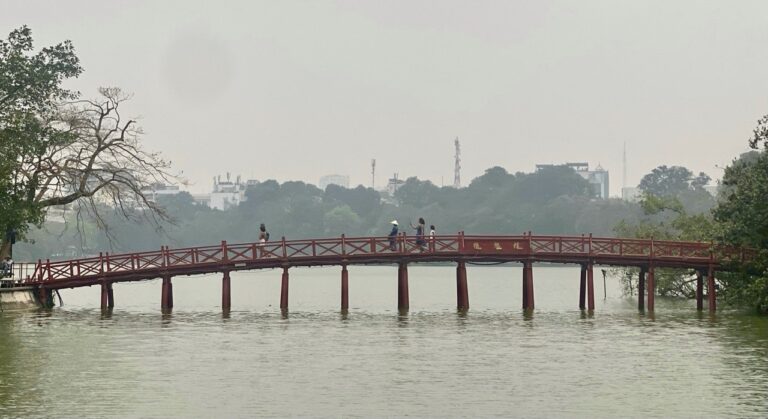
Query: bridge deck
x,y
381,250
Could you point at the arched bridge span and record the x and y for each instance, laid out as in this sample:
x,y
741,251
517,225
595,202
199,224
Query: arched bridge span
x,y
646,254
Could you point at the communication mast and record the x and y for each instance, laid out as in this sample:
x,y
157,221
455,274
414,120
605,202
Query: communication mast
x,y
457,167
373,173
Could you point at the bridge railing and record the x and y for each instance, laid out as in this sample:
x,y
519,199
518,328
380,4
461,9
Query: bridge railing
x,y
321,250
295,250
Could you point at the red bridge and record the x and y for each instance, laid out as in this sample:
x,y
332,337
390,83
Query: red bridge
x,y
461,249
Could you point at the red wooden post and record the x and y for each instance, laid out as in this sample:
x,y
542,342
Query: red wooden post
x,y
224,251
525,287
284,290
226,292
462,293
590,288
711,292
343,245
528,303
641,289
110,296
402,286
166,297
104,295
699,291
344,287
583,287
651,288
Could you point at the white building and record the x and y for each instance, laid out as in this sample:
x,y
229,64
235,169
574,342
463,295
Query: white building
x,y
227,193
598,178
159,189
341,180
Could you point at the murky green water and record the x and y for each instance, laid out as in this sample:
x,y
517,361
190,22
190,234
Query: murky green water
x,y
75,361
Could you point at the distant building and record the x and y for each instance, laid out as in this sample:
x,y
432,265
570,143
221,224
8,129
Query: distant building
x,y
598,178
203,199
159,189
340,180
630,194
226,193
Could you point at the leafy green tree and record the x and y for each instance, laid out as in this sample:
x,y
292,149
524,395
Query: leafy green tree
x,y
742,216
60,151
671,181
30,88
341,220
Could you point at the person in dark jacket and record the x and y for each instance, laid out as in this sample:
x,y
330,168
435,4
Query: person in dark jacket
x,y
420,233
393,236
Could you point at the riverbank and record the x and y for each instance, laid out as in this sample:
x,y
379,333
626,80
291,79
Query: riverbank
x,y
17,298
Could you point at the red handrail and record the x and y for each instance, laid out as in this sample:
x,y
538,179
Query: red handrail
x,y
378,247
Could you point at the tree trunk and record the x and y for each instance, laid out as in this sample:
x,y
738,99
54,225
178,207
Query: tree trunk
x,y
5,249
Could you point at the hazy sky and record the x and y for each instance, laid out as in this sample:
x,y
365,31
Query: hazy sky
x,y
293,90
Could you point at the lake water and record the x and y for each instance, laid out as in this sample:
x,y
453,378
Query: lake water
x,y
494,360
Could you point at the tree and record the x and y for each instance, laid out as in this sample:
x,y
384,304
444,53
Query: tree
x,y
671,181
742,218
30,89
65,151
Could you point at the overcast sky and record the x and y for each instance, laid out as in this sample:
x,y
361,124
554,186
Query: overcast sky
x,y
293,90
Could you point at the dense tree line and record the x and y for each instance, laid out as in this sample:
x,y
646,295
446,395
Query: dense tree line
x,y
550,201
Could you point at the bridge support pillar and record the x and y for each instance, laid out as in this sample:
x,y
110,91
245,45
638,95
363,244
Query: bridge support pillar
x,y
45,297
107,296
651,288
528,303
583,287
166,297
284,290
590,288
641,290
711,291
344,288
699,290
226,292
402,286
462,293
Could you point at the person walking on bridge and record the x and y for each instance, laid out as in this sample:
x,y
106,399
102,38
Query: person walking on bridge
x,y
419,233
432,237
263,234
263,238
393,236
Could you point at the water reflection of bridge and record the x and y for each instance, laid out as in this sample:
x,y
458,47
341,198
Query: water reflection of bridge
x,y
527,249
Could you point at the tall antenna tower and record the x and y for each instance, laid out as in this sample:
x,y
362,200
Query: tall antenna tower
x,y
373,173
457,167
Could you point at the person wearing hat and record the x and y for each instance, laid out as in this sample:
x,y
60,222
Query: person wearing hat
x,y
393,236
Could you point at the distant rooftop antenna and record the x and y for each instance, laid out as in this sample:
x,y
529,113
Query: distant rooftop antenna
x,y
373,173
457,166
